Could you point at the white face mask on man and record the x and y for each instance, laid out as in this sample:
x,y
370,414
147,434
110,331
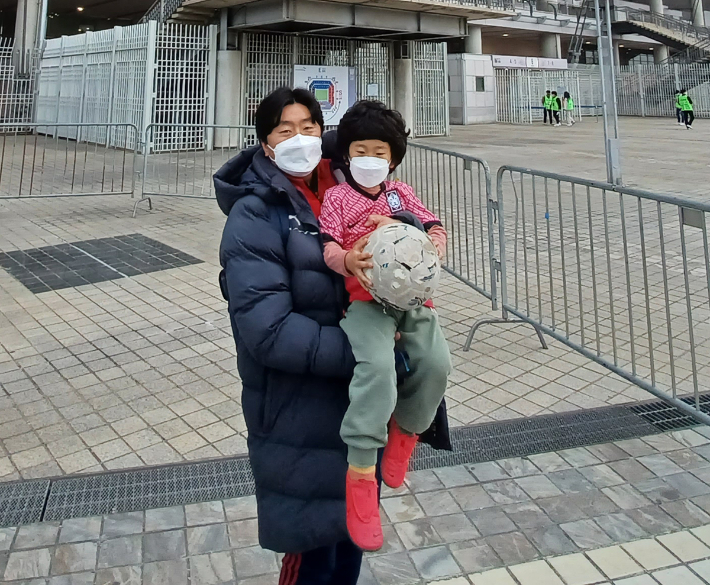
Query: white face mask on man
x,y
298,155
369,171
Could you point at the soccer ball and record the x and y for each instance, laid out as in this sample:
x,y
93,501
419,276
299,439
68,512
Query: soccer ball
x,y
406,266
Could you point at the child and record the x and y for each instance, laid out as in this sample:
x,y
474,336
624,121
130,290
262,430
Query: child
x,y
569,108
374,141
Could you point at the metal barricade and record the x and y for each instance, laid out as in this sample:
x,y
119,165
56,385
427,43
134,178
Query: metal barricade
x,y
620,275
457,188
67,160
180,159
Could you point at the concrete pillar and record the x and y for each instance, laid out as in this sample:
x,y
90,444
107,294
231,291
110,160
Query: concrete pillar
x,y
617,55
657,7
228,98
474,41
404,90
660,53
696,10
550,45
29,27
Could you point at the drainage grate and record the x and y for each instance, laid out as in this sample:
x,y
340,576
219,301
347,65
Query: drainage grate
x,y
22,502
540,434
156,487
186,483
668,418
90,261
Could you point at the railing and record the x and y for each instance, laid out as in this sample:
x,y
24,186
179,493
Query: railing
x,y
697,53
668,23
174,166
162,10
67,160
457,188
622,276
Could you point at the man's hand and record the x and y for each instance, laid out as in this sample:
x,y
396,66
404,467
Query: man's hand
x,y
377,221
357,261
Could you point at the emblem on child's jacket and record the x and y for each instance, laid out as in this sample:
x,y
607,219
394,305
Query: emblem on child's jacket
x,y
394,202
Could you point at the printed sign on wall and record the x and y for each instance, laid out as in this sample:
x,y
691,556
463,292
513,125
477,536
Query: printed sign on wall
x,y
333,87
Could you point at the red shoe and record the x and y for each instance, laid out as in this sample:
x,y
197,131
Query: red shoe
x,y
398,452
363,512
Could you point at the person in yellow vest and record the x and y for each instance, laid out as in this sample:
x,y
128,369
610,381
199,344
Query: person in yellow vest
x,y
547,105
686,104
568,105
556,107
678,109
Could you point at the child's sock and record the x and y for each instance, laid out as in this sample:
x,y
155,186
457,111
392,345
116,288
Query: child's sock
x,y
361,472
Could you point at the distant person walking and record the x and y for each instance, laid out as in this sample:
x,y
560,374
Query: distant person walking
x,y
686,104
568,108
556,107
678,109
547,105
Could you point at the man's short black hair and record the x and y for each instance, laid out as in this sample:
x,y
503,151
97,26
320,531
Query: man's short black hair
x,y
370,120
554,93
268,114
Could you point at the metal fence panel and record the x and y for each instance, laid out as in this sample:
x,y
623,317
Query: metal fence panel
x,y
457,188
620,275
431,104
519,93
16,89
128,75
40,161
188,171
269,61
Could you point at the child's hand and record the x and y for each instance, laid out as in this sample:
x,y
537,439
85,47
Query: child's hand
x,y
440,250
379,220
357,260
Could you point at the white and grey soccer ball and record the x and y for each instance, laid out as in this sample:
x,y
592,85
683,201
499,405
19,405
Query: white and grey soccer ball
x,y
406,266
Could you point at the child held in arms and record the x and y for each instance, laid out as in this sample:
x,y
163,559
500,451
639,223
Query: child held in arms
x,y
373,139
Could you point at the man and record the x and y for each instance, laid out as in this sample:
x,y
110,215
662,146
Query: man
x,y
547,104
555,108
295,362
678,109
686,105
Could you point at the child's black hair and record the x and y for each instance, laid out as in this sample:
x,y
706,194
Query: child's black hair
x,y
370,120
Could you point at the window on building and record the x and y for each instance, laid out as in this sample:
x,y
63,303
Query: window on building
x,y
480,84
641,60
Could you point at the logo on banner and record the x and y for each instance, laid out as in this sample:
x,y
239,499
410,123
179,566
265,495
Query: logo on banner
x,y
330,85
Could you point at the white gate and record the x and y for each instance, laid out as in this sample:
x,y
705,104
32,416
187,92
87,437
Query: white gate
x,y
270,59
134,75
16,90
519,93
431,92
650,90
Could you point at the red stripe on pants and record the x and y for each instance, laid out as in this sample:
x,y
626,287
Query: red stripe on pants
x,y
289,569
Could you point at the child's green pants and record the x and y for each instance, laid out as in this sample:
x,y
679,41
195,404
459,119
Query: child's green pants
x,y
374,395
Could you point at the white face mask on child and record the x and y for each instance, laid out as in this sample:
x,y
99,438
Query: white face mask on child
x,y
369,171
298,155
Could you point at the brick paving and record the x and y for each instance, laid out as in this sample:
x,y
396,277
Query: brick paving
x,y
141,370
634,512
